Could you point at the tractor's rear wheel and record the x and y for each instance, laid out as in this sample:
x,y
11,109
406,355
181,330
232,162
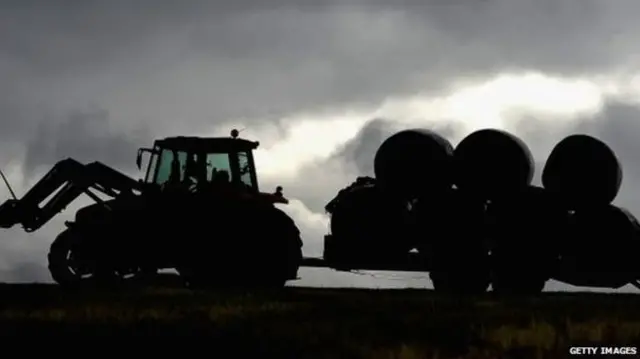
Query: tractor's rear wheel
x,y
244,270
266,254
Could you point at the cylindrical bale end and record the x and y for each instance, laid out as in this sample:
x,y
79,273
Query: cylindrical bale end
x,y
412,162
583,170
492,162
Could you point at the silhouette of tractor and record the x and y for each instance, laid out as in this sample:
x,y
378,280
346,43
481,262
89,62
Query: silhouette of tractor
x,y
198,210
468,215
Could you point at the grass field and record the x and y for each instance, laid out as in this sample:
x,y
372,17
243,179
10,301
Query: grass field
x,y
329,323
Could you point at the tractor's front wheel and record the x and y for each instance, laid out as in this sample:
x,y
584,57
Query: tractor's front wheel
x,y
70,265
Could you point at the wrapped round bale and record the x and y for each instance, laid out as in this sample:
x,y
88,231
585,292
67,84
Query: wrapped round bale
x,y
367,223
412,162
492,162
583,170
601,247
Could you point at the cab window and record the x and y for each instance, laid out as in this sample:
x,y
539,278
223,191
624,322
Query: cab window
x,y
151,169
246,173
165,166
217,162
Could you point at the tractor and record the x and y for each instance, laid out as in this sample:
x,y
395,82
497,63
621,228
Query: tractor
x,y
198,211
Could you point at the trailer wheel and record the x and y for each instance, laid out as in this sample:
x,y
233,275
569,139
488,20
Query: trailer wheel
x,y
460,268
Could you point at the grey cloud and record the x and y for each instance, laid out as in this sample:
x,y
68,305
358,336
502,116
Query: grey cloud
x,y
26,272
23,256
250,60
85,136
319,183
618,126
324,178
360,151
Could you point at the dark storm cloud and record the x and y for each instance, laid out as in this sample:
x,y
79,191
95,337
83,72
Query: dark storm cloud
x,y
85,136
187,65
250,59
360,151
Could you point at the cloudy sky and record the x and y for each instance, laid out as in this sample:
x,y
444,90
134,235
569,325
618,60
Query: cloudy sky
x,y
319,83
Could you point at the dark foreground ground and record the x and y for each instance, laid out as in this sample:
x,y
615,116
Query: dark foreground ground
x,y
326,323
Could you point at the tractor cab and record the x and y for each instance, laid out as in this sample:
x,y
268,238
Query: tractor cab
x,y
201,161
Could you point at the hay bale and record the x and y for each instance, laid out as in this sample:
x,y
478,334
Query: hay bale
x,y
492,162
583,170
412,162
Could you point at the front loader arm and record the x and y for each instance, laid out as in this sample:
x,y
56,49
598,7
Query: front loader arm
x,y
68,179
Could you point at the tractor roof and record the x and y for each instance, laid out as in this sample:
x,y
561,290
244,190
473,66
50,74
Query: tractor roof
x,y
207,144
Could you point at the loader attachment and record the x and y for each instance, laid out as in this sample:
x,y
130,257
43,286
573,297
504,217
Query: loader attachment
x,y
68,179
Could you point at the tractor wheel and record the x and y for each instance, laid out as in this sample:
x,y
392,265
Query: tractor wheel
x,y
64,266
69,269
266,254
282,262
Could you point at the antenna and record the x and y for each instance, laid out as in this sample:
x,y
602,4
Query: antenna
x,y
8,185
